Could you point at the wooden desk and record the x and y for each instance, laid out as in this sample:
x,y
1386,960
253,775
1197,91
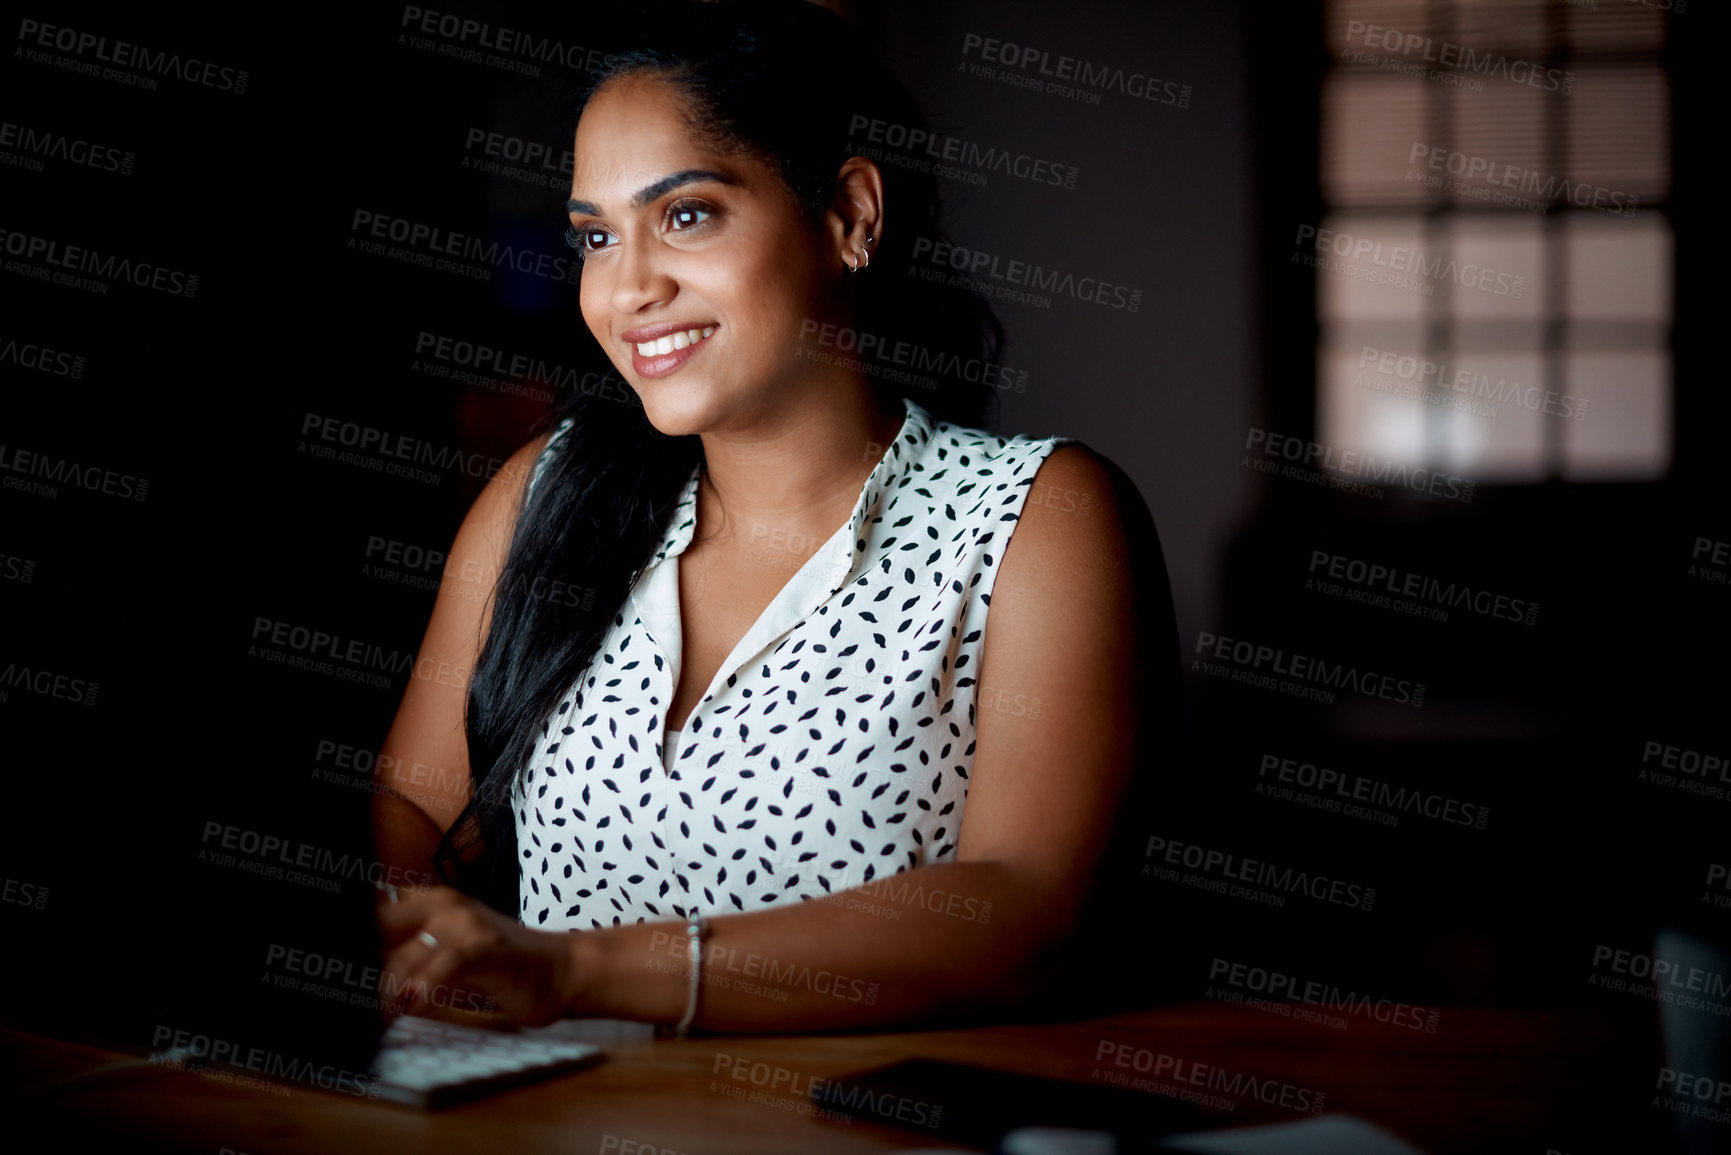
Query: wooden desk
x,y
1486,1080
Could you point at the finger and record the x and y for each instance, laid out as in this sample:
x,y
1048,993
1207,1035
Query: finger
x,y
454,1010
398,921
432,956
406,959
466,979
401,967
429,988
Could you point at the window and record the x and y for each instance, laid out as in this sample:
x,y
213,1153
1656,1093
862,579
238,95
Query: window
x,y
1494,262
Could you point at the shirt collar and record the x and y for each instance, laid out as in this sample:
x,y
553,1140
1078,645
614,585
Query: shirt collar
x,y
655,596
846,552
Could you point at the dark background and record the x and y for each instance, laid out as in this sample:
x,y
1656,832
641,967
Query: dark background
x,y
156,600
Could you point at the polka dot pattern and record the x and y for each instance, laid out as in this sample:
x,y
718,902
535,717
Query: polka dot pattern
x,y
834,745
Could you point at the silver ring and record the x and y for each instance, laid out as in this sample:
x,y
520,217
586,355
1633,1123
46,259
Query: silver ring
x,y
428,939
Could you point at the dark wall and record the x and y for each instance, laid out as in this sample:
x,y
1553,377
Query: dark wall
x,y
212,504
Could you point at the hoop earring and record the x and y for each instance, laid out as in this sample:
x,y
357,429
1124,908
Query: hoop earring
x,y
863,259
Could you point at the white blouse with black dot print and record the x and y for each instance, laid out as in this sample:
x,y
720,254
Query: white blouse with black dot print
x,y
835,743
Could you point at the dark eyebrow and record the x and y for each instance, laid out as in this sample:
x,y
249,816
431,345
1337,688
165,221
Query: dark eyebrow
x,y
660,188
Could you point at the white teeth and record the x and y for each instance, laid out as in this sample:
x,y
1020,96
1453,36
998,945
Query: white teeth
x,y
664,345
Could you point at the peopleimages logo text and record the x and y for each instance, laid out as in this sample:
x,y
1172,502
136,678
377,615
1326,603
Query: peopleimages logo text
x,y
909,355
988,267
272,1064
1277,984
1259,873
400,446
1166,1069
94,478
1380,578
1401,259
58,146
443,242
1459,57
80,259
291,852
463,30
1499,390
1083,73
48,684
941,146
1303,669
1544,187
1381,471
126,55
1359,788
29,355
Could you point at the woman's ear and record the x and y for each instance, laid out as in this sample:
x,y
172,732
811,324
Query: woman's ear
x,y
855,222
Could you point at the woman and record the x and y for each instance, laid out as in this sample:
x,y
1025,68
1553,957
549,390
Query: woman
x,y
736,663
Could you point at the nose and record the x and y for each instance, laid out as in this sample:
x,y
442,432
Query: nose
x,y
641,280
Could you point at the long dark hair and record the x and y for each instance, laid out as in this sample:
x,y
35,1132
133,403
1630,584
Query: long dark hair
x,y
786,82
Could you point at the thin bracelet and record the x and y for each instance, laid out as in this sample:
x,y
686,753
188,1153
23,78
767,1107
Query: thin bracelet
x,y
696,930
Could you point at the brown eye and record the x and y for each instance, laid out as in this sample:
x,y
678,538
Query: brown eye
x,y
588,240
686,216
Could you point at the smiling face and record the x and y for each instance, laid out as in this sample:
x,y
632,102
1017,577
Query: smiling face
x,y
699,267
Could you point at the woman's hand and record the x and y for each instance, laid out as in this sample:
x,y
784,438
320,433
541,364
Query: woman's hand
x,y
486,969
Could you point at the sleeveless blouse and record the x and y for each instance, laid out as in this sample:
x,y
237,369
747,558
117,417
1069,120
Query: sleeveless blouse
x,y
835,743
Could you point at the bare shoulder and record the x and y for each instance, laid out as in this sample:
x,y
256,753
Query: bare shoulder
x,y
1058,691
513,476
495,510
1064,613
484,539
1063,604
1072,532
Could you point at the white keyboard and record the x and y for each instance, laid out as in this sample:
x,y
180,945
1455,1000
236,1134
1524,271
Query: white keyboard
x,y
426,1063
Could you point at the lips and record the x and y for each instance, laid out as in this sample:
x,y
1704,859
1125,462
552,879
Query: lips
x,y
657,350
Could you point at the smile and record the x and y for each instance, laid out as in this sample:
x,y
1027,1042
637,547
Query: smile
x,y
658,351
664,345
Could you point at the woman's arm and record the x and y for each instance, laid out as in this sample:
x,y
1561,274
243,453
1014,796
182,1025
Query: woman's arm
x,y
929,942
424,761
